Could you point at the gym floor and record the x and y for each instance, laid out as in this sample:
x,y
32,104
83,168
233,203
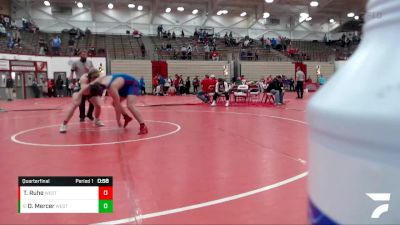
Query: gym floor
x,y
245,164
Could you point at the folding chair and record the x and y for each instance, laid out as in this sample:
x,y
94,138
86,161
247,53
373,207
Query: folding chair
x,y
242,92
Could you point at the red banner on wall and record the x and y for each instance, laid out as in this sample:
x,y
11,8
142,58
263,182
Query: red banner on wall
x,y
41,66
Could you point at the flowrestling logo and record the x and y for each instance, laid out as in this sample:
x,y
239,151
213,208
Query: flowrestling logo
x,y
379,197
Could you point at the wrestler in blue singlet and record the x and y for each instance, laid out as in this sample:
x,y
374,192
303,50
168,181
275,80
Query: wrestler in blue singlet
x,y
131,85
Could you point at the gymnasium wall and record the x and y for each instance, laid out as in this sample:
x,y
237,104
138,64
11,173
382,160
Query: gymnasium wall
x,y
138,68
55,64
327,69
258,70
199,68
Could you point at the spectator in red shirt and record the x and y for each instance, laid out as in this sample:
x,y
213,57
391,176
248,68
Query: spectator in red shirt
x,y
155,83
215,55
203,94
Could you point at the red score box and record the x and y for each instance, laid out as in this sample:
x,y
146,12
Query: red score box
x,y
105,193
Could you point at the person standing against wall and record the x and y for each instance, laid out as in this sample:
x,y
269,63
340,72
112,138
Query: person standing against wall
x,y
80,67
60,86
142,86
300,82
9,87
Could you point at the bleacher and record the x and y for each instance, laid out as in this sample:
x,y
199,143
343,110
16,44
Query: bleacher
x,y
119,46
314,51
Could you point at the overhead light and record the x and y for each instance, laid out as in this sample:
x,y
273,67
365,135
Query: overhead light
x,y
131,6
309,18
351,14
224,11
168,10
331,21
180,9
46,3
219,13
140,8
266,15
269,1
356,17
243,14
195,11
304,15
110,6
79,4
314,4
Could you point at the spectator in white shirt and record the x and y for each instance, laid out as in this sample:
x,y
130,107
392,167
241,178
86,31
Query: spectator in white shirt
x,y
221,88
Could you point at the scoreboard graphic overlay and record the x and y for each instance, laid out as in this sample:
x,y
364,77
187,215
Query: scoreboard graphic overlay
x,y
65,195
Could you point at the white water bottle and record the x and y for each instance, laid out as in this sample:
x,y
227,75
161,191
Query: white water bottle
x,y
354,125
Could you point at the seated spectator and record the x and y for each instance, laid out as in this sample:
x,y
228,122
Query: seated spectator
x,y
268,44
3,30
10,40
136,34
182,34
262,85
173,35
189,52
215,56
221,88
169,34
163,46
246,43
183,52
249,55
243,54
171,90
194,44
16,35
203,94
12,24
242,80
276,88
169,47
92,51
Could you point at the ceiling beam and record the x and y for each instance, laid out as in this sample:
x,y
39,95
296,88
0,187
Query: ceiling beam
x,y
154,10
